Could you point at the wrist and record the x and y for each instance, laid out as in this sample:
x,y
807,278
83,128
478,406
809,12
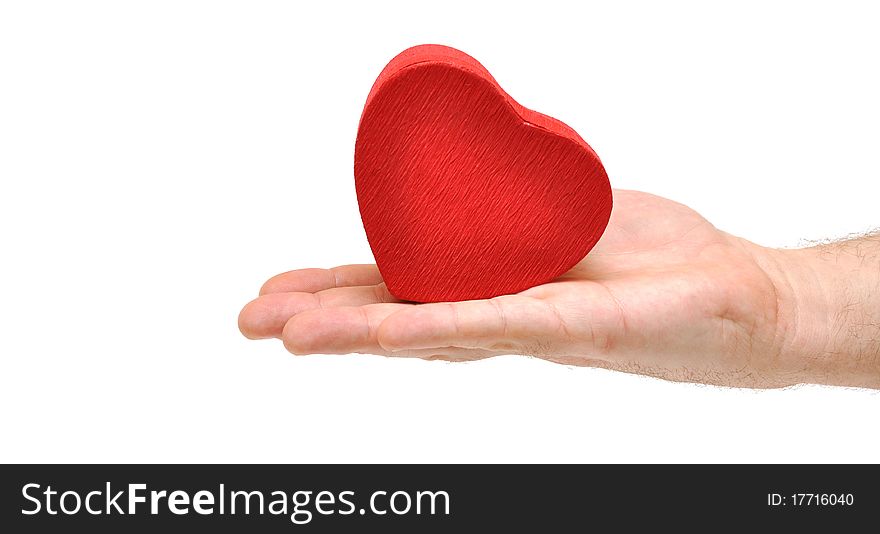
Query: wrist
x,y
828,314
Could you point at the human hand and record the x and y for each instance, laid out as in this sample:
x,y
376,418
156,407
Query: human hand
x,y
663,293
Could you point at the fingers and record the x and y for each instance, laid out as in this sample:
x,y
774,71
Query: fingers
x,y
312,280
512,323
353,329
350,315
265,316
341,330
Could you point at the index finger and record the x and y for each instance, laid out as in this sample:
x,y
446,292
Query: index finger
x,y
507,323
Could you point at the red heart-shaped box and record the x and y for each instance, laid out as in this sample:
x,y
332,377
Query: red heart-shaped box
x,y
464,193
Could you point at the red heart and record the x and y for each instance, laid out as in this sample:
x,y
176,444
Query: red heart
x,y
464,193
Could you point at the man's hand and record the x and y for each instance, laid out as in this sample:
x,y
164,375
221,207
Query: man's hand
x,y
663,293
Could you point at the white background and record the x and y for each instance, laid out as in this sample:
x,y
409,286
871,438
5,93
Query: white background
x,y
160,160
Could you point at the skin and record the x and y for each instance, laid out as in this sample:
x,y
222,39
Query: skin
x,y
664,293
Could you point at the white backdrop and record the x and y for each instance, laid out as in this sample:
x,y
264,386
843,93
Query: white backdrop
x,y
160,160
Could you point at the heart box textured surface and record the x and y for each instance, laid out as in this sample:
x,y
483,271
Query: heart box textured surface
x,y
464,193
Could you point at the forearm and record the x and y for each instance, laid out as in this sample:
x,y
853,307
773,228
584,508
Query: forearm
x,y
829,311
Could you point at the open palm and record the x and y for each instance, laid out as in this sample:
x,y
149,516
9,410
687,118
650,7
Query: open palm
x,y
663,293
